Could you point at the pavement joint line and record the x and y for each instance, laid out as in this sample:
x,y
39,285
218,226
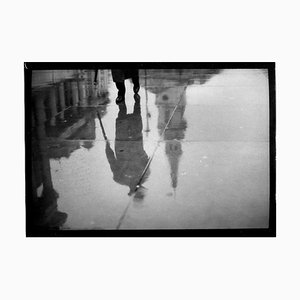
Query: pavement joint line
x,y
62,111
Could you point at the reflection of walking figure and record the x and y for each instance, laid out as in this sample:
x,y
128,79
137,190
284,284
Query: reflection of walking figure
x,y
130,159
119,77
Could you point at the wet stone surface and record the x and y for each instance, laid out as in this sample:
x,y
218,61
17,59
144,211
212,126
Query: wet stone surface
x,y
193,153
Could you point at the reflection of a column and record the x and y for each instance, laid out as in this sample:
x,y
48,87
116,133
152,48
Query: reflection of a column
x,y
75,96
90,87
82,92
68,90
48,215
103,82
52,105
99,91
39,118
41,137
39,104
95,90
62,100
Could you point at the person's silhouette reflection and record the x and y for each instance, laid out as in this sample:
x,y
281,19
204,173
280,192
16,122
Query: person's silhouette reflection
x,y
119,76
130,159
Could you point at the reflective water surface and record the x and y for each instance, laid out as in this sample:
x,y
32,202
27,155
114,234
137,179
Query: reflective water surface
x,y
193,152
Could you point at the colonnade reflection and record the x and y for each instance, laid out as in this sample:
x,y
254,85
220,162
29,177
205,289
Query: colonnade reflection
x,y
42,211
61,104
60,111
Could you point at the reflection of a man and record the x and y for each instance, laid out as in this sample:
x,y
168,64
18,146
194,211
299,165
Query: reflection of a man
x,y
130,159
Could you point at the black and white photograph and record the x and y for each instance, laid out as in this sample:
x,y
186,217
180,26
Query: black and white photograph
x,y
150,150
157,149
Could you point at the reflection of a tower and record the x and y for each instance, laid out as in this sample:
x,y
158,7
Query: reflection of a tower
x,y
169,86
167,101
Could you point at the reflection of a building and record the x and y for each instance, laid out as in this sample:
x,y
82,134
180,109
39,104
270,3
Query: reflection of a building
x,y
61,111
66,105
169,106
169,86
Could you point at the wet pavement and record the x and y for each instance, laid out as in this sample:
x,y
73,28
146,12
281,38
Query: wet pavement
x,y
193,153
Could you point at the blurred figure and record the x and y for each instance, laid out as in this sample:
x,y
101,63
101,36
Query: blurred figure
x,y
119,76
130,159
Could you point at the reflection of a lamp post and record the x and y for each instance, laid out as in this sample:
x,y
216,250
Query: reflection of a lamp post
x,y
62,100
147,111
